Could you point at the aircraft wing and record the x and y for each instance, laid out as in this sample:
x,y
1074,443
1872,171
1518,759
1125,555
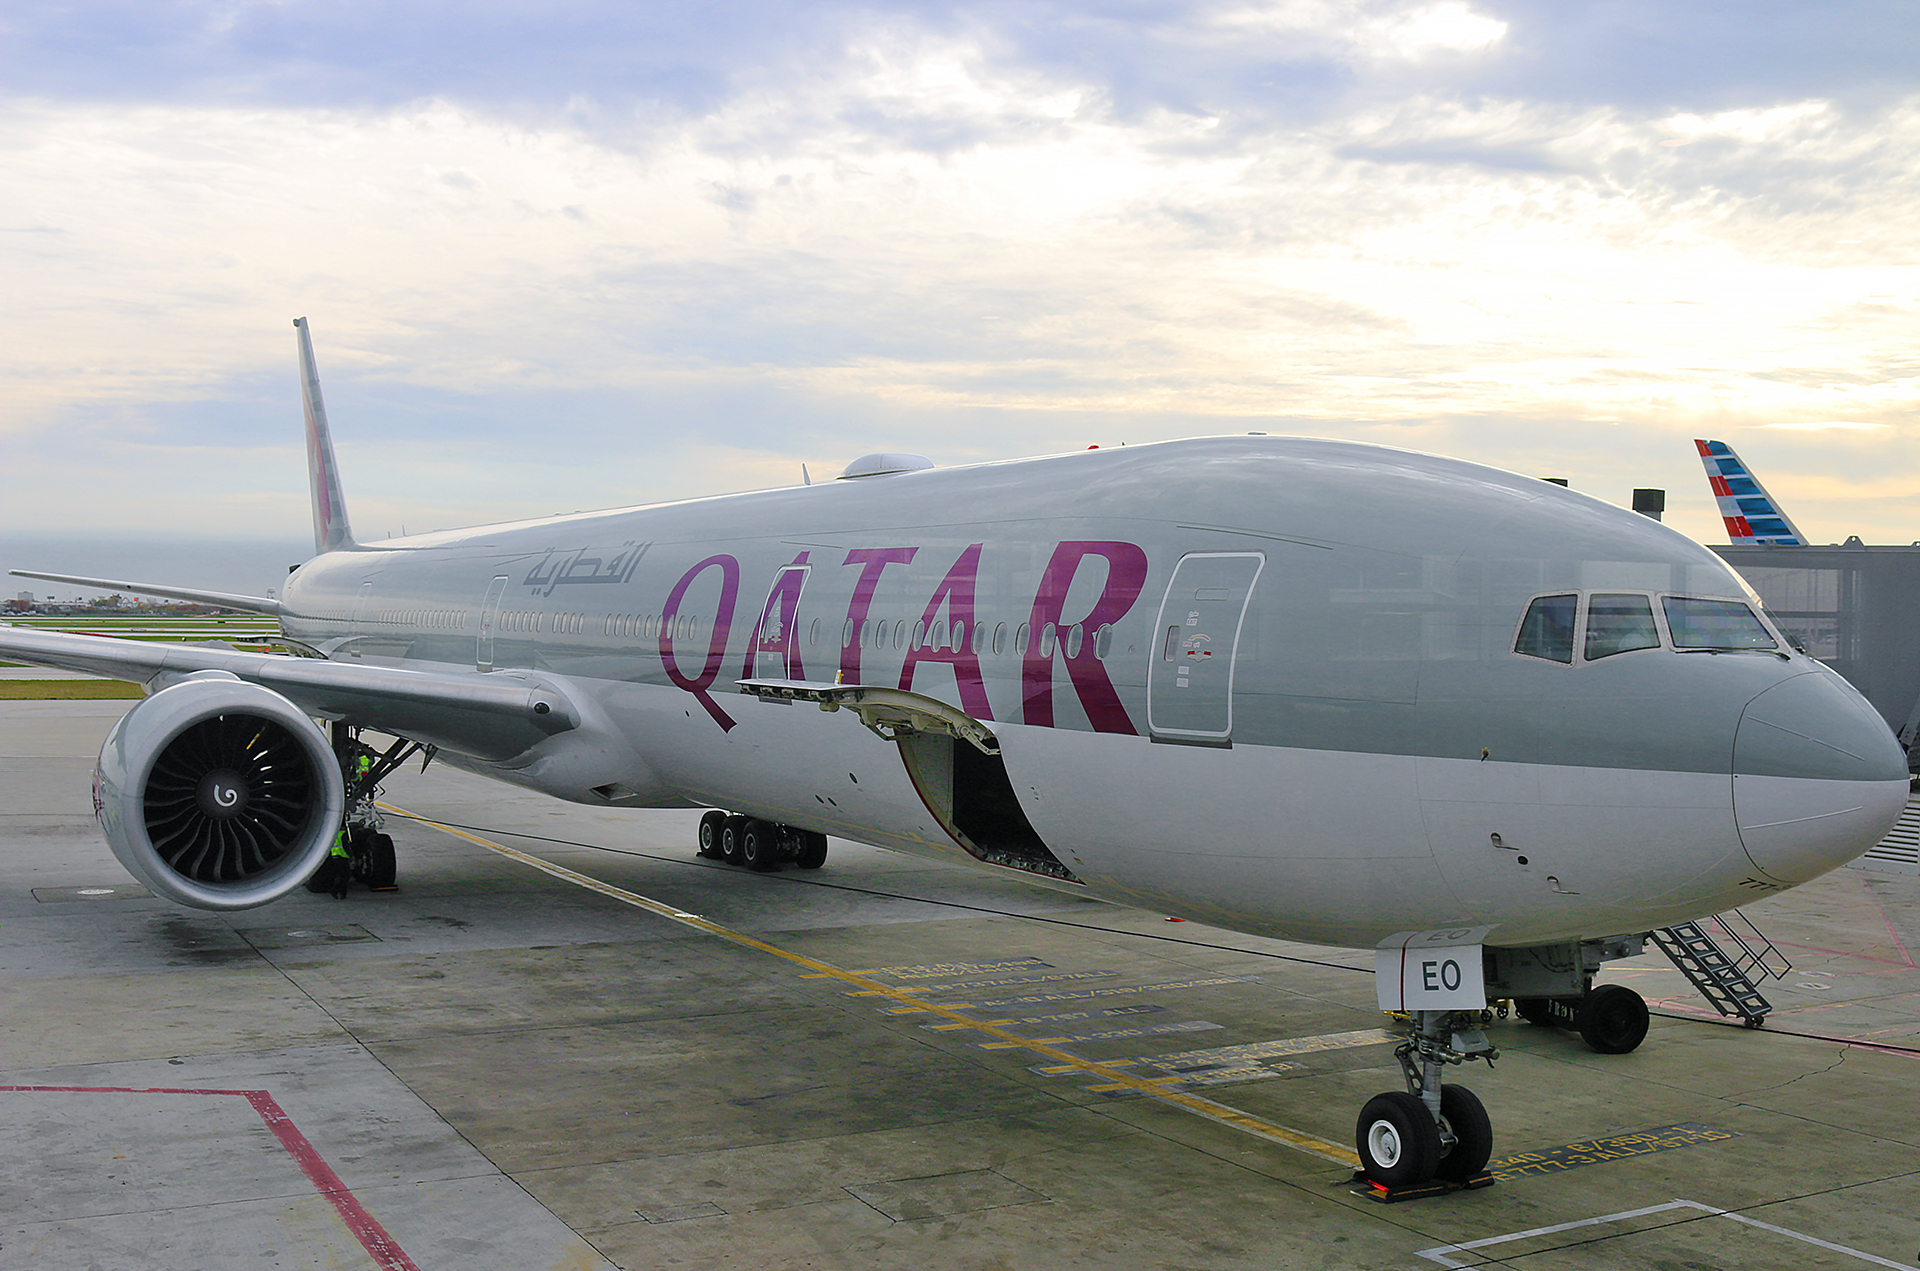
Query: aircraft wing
x,y
226,600
490,716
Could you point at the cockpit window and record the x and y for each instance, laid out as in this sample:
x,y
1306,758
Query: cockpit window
x,y
1547,630
1619,624
1714,624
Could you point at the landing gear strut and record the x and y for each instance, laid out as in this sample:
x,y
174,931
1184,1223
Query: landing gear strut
x,y
362,853
1430,1131
759,845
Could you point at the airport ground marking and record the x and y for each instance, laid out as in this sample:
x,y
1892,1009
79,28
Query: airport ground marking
x,y
1553,1160
365,1228
1232,1118
1440,1253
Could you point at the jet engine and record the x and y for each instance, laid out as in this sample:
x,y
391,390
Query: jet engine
x,y
218,794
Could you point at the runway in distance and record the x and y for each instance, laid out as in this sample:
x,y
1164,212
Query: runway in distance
x,y
1494,729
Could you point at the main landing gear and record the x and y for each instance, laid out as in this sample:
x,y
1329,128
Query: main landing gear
x,y
1611,1018
362,853
1430,1134
759,845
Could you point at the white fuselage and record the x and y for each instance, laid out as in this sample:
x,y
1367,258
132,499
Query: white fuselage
x,y
1268,684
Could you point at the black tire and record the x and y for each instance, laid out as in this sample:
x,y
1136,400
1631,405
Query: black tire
x,y
360,855
327,876
1398,1140
731,831
711,826
383,864
760,846
1613,1019
813,850
1472,1128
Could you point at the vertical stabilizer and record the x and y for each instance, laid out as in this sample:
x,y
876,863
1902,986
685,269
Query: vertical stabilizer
x,y
1752,517
331,532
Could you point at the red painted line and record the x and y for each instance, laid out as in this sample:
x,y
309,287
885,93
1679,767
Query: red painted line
x,y
1885,920
380,1246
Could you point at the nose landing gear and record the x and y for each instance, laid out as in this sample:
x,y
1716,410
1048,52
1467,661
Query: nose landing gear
x,y
1431,1137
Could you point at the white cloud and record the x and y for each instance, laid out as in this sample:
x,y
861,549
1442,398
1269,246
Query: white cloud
x,y
831,247
1440,28
1390,32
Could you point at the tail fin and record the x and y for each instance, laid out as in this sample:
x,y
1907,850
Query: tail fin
x,y
1752,517
331,533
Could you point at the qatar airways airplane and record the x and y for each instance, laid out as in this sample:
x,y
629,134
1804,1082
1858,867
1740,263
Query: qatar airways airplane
x,y
1493,729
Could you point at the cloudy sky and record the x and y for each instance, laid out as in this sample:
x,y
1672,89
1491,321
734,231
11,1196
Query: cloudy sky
x,y
585,253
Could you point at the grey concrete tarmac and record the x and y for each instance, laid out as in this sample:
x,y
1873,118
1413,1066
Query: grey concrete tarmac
x,y
505,1069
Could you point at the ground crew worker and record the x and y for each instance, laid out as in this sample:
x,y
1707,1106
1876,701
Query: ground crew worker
x,y
340,861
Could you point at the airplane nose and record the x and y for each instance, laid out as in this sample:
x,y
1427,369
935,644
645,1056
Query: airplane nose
x,y
1818,777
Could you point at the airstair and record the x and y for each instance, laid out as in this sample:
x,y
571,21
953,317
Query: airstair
x,y
1725,974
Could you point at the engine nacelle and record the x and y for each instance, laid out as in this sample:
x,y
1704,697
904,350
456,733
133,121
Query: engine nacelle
x,y
218,794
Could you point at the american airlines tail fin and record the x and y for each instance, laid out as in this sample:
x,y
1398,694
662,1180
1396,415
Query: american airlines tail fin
x,y
1752,517
331,532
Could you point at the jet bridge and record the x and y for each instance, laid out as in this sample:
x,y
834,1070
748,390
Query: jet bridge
x,y
1854,607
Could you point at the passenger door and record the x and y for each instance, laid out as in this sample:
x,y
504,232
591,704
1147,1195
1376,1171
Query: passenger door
x,y
1190,677
776,641
489,615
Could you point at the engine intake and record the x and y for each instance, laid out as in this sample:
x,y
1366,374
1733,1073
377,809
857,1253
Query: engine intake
x,y
218,794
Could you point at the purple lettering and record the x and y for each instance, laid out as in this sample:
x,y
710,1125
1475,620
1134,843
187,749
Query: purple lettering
x,y
872,561
716,645
1126,571
956,591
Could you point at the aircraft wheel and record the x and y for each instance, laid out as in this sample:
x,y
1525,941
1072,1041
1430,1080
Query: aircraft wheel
x,y
1472,1130
383,864
813,850
1398,1141
732,830
1535,1010
711,826
759,848
1612,1019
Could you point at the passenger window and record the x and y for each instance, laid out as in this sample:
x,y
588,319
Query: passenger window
x,y
1619,624
1547,630
1714,624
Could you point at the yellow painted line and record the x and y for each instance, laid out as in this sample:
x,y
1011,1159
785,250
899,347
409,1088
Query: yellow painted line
x,y
1112,1078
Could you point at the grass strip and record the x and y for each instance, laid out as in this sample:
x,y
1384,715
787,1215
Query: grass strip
x,y
66,690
